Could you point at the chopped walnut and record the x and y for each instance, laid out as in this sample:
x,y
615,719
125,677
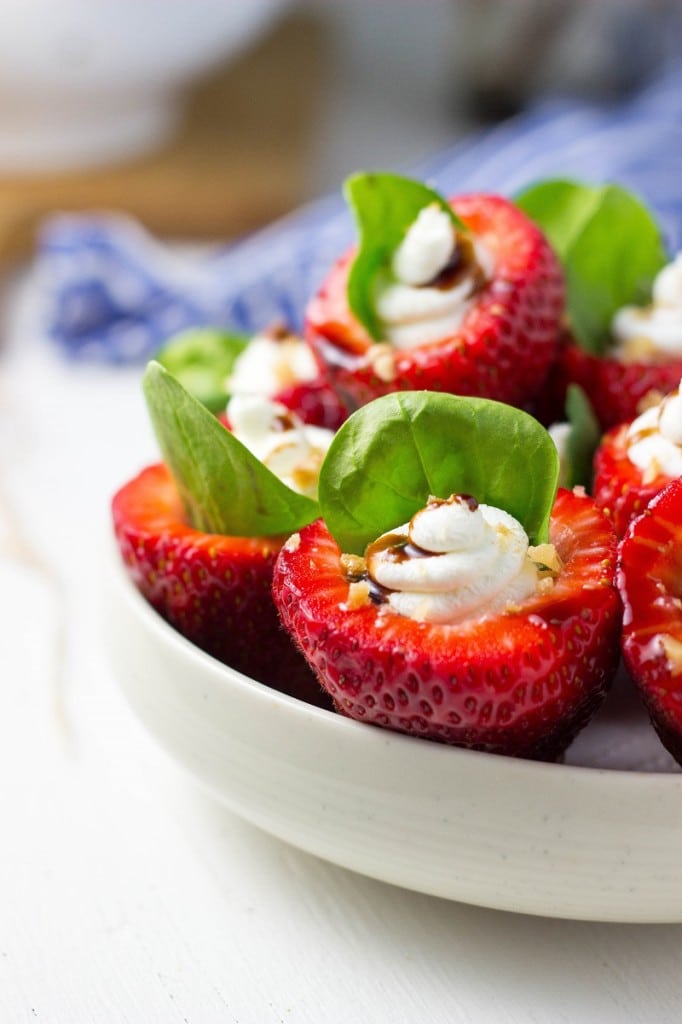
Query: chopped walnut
x,y
673,651
653,470
354,567
305,477
546,559
358,596
381,358
649,400
639,349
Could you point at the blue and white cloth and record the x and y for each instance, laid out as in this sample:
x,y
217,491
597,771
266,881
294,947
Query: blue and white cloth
x,y
115,294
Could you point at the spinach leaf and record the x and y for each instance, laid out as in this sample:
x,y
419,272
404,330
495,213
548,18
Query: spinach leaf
x,y
223,486
392,454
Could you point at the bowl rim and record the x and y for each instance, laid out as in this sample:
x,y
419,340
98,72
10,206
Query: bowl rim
x,y
443,754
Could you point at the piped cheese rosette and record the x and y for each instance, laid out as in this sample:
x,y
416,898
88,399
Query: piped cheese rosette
x,y
654,439
454,560
635,461
653,331
288,447
435,277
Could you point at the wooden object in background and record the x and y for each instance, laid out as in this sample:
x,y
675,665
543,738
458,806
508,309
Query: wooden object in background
x,y
239,160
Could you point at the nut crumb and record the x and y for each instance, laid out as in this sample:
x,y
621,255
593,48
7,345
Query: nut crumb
x,y
353,567
546,559
381,358
638,349
649,400
653,470
673,651
293,543
358,596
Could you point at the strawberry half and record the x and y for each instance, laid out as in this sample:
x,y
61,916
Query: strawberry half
x,y
620,487
503,347
617,391
213,589
649,578
611,248
521,683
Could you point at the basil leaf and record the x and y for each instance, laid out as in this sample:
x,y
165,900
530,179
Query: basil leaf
x,y
223,486
609,244
583,438
385,206
392,454
202,360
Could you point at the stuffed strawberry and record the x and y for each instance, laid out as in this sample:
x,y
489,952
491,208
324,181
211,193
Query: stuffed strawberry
x,y
649,581
623,337
199,535
418,599
462,297
214,364
637,460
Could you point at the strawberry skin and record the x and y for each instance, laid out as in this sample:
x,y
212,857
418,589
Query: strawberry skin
x,y
314,402
619,487
615,389
504,347
649,578
213,589
523,683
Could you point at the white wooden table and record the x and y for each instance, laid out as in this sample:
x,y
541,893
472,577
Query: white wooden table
x,y
129,897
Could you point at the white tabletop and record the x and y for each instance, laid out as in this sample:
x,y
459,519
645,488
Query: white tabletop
x,y
126,894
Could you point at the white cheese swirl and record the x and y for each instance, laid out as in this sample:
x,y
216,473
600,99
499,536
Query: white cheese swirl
x,y
411,309
290,449
654,330
453,561
654,439
270,363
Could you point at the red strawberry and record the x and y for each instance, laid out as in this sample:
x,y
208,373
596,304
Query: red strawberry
x,y
520,683
315,402
650,570
504,346
618,391
620,487
213,589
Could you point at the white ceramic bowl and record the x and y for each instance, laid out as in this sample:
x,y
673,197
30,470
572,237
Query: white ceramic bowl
x,y
87,81
517,835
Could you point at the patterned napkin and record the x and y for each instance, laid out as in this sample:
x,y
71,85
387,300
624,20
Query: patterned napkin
x,y
114,294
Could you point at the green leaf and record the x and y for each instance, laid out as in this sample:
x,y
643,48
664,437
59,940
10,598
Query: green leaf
x,y
609,244
203,359
385,206
583,439
392,454
223,486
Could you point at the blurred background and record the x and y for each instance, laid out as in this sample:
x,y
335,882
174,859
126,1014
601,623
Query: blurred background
x,y
206,119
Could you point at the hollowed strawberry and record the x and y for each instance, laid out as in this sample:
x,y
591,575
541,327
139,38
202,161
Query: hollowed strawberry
x,y
213,589
522,682
503,347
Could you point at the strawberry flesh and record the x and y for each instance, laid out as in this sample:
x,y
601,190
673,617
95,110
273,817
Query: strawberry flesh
x,y
502,350
522,683
215,590
650,583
